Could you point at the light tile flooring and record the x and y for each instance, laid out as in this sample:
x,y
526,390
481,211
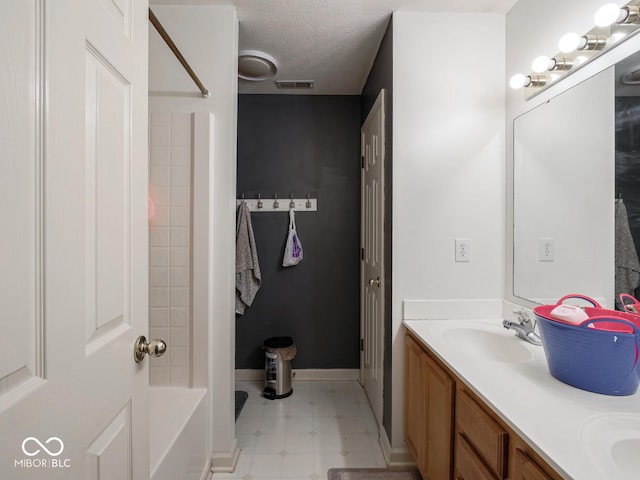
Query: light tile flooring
x,y
324,424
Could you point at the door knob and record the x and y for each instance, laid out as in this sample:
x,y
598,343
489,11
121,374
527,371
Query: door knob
x,y
375,282
155,348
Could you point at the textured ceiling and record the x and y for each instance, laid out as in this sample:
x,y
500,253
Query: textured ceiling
x,y
332,42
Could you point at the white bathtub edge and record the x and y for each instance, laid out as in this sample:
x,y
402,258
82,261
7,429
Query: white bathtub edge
x,y
181,413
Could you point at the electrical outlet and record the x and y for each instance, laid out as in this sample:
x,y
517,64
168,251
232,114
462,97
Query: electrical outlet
x,y
546,250
463,250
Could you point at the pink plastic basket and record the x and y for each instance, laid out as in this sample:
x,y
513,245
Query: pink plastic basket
x,y
630,304
601,316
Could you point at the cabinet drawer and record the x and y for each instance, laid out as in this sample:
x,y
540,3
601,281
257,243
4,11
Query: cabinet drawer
x,y
483,433
468,465
527,469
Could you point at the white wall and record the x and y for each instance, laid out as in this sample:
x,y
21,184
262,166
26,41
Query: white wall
x,y
533,28
448,172
208,38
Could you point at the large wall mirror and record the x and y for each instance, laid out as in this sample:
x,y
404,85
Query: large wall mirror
x,y
577,191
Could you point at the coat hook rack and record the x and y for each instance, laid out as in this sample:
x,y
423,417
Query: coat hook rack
x,y
307,204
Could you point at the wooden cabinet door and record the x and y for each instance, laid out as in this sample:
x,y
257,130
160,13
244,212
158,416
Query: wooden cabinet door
x,y
429,392
440,393
415,402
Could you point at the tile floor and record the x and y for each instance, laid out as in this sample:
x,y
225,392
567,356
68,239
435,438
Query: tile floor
x,y
324,424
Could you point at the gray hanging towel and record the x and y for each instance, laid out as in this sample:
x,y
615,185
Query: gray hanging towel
x,y
247,266
627,263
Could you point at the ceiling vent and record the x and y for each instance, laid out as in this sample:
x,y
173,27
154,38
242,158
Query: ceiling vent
x,y
294,84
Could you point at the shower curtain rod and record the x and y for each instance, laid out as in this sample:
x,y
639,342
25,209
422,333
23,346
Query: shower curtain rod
x,y
165,36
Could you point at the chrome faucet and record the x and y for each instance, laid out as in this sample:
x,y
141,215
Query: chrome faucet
x,y
523,327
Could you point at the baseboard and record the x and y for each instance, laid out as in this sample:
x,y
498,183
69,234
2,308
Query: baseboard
x,y
395,457
225,462
326,374
304,374
207,474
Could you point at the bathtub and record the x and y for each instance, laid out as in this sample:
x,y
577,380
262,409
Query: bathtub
x,y
178,442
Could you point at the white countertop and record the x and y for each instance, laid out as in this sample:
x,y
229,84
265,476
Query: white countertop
x,y
575,431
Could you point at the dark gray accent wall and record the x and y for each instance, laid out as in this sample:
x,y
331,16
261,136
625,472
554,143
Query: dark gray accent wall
x,y
627,164
381,76
303,144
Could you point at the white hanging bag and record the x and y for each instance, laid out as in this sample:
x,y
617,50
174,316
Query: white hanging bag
x,y
293,247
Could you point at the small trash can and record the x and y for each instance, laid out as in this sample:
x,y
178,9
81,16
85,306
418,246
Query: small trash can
x,y
278,352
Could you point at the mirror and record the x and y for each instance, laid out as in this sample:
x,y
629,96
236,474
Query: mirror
x,y
564,195
577,191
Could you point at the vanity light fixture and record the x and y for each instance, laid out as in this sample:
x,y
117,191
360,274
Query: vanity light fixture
x,y
613,24
592,42
544,64
519,80
611,13
572,42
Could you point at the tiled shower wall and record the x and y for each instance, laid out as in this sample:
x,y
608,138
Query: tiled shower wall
x,y
170,165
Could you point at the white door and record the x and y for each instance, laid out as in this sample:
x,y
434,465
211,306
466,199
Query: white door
x,y
372,270
73,248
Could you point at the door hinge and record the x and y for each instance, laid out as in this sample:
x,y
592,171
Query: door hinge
x,y
362,162
362,254
362,344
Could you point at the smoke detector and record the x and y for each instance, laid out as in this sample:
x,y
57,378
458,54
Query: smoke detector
x,y
256,66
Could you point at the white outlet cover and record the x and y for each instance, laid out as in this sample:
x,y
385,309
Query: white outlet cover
x,y
546,250
463,250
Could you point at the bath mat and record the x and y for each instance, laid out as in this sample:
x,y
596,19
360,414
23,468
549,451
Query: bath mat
x,y
373,474
241,398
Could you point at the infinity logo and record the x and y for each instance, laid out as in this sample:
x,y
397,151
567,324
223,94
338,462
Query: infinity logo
x,y
38,442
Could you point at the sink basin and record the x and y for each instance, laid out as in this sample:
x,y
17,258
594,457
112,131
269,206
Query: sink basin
x,y
488,342
612,442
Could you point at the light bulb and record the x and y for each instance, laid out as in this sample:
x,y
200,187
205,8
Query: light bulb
x,y
517,81
569,42
608,15
542,64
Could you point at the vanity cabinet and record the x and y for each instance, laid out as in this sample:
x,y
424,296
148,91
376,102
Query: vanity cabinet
x,y
479,435
429,413
453,434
